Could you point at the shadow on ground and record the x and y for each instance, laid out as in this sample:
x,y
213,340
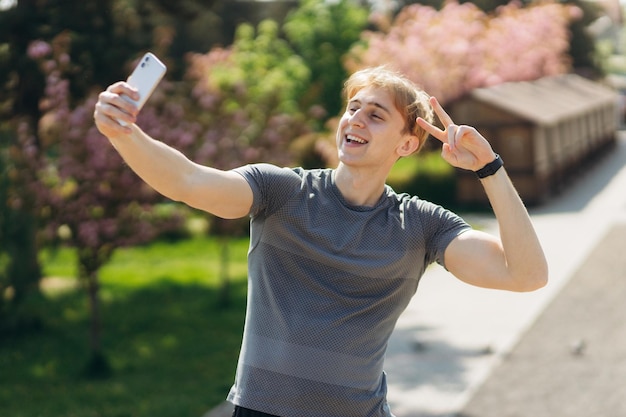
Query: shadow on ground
x,y
172,348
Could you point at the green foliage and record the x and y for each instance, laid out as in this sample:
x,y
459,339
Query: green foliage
x,y
172,349
245,100
265,65
586,59
425,175
322,32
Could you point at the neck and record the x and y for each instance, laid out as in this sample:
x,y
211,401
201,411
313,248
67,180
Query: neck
x,y
360,187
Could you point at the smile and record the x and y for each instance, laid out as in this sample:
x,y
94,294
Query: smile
x,y
355,139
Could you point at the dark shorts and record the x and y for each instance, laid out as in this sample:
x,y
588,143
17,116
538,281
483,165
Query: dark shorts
x,y
245,412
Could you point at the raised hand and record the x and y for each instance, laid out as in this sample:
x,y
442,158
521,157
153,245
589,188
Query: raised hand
x,y
463,147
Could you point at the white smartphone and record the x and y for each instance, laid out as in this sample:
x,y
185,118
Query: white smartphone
x,y
145,78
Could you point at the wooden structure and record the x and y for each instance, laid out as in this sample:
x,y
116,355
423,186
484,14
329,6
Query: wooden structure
x,y
544,130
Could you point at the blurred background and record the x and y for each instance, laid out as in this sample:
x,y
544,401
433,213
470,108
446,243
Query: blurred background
x,y
117,302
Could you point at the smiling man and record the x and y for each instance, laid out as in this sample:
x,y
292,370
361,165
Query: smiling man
x,y
335,254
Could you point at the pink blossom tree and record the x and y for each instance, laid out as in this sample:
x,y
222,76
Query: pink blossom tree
x,y
84,185
458,48
103,33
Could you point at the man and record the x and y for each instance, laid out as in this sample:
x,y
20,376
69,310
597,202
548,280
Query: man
x,y
335,254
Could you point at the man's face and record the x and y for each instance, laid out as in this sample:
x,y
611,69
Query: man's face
x,y
370,130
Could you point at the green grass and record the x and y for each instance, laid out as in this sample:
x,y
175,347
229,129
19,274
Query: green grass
x,y
172,345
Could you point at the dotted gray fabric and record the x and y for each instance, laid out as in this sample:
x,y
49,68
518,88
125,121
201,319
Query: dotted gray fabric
x,y
327,283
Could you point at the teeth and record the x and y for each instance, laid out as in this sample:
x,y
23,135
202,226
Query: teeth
x,y
356,139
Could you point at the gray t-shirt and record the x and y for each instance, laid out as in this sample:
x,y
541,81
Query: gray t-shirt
x,y
327,282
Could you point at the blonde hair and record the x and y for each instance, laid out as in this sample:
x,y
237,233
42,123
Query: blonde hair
x,y
410,100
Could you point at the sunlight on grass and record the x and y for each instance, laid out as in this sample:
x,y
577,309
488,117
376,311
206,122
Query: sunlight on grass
x,y
172,345
193,261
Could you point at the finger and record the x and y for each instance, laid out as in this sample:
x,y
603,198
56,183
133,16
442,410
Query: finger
x,y
109,115
110,127
431,129
456,135
118,114
126,91
453,132
447,153
440,112
123,88
112,102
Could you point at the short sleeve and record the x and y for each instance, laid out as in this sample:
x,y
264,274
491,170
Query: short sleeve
x,y
440,226
271,186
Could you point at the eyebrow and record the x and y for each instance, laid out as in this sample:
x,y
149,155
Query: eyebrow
x,y
372,103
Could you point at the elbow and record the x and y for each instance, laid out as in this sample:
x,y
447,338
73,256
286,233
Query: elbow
x,y
533,280
534,284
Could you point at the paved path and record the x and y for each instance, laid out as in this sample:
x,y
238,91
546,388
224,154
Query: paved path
x,y
453,336
572,361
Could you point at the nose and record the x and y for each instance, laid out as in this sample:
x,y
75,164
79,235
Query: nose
x,y
356,119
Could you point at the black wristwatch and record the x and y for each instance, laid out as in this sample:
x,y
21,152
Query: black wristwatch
x,y
491,168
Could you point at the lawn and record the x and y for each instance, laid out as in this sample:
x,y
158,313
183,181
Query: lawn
x,y
172,344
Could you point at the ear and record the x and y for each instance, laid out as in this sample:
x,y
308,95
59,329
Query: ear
x,y
408,144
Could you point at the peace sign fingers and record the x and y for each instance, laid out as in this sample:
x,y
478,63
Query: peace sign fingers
x,y
445,119
463,146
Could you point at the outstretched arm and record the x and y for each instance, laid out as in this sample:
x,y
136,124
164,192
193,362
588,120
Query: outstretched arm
x,y
516,260
222,193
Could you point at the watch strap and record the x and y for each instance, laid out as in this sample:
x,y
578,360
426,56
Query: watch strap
x,y
491,168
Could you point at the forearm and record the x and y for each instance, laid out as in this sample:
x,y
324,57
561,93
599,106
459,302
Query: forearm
x,y
525,261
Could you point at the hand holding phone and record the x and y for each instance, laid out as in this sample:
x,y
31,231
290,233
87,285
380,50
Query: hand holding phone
x,y
145,78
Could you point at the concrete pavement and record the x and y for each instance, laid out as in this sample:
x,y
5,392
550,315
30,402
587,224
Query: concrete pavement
x,y
572,361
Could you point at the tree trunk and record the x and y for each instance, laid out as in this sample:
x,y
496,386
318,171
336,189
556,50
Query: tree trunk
x,y
24,269
224,295
23,272
97,365
95,328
